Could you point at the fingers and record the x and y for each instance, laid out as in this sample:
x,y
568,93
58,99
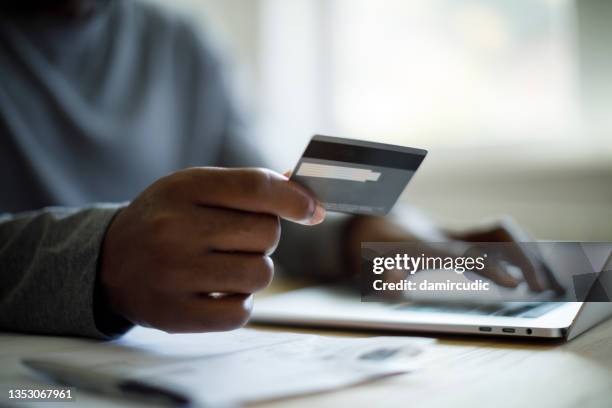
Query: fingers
x,y
231,230
524,261
512,253
536,273
499,274
198,313
518,254
254,190
497,270
221,273
540,277
189,251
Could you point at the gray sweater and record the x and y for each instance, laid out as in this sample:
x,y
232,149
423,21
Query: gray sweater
x,y
92,111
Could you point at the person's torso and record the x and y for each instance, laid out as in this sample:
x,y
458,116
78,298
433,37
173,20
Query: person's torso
x,y
95,111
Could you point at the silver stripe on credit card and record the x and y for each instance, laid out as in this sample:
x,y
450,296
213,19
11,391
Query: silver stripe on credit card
x,y
337,172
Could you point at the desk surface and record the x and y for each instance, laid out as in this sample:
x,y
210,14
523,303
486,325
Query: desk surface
x,y
474,371
456,372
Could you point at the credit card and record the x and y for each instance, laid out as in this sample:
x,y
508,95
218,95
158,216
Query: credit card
x,y
355,176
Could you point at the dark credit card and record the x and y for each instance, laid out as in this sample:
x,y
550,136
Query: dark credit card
x,y
355,176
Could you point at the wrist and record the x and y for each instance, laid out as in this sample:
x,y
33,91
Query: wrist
x,y
108,320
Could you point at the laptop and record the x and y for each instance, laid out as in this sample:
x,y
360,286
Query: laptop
x,y
341,307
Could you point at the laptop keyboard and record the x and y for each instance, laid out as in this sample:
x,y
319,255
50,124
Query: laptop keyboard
x,y
511,309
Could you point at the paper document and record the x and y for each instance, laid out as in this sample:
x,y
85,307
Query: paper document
x,y
245,365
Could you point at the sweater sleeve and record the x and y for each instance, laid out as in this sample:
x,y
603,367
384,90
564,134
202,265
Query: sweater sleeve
x,y
48,265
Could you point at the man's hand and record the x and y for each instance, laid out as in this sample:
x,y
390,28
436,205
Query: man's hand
x,y
188,253
534,271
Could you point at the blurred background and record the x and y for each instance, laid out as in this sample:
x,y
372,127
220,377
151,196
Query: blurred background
x,y
513,99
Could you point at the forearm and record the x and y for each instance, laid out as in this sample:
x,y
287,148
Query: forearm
x,y
332,250
48,265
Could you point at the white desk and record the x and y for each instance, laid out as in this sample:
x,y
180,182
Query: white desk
x,y
457,372
472,372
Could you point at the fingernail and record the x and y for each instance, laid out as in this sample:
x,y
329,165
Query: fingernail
x,y
319,215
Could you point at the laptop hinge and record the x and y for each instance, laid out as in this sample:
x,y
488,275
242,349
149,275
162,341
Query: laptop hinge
x,y
588,316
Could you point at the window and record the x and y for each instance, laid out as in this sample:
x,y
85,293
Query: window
x,y
439,74
513,98
453,73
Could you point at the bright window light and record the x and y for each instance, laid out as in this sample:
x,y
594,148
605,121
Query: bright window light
x,y
451,73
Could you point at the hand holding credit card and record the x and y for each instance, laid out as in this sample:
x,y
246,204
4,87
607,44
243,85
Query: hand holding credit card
x,y
355,176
